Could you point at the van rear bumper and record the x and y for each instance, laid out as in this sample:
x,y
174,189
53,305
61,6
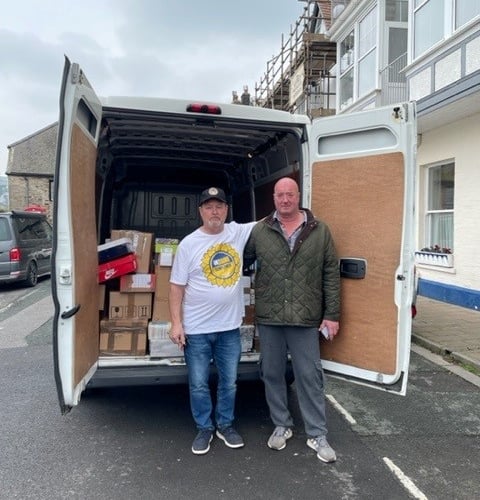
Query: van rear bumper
x,y
160,375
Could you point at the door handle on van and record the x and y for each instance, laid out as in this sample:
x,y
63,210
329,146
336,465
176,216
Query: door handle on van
x,y
353,268
71,312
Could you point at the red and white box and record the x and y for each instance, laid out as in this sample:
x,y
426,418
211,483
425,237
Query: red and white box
x,y
117,267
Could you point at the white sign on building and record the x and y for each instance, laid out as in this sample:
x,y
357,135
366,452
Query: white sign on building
x,y
296,85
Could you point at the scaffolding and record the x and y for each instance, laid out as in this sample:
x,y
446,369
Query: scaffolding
x,y
299,79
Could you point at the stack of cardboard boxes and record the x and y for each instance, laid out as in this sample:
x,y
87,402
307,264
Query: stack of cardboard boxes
x,y
128,296
158,329
135,299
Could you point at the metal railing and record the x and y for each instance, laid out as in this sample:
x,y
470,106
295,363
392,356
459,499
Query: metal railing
x,y
393,82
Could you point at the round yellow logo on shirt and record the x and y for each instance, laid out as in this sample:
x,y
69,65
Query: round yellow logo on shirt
x,y
221,265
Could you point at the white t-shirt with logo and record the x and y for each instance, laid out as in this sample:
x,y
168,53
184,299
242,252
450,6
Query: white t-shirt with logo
x,y
210,267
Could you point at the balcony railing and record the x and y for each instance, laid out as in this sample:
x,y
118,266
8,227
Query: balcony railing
x,y
393,82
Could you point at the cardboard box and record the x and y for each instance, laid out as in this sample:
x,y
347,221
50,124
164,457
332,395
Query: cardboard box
x,y
123,338
137,283
142,244
165,249
136,305
249,315
161,310
117,268
159,342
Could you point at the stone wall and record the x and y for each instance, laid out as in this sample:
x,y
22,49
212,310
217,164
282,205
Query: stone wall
x,y
29,190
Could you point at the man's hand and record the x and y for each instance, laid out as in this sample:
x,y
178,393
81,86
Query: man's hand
x,y
331,326
177,335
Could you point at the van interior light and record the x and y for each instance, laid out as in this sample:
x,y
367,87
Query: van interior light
x,y
208,109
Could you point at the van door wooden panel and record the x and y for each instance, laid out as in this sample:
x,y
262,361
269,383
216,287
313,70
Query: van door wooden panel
x,y
366,222
82,191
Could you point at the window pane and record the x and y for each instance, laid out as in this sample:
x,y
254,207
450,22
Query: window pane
x,y
367,32
428,25
346,89
346,52
366,73
441,230
5,234
397,43
396,10
441,187
466,10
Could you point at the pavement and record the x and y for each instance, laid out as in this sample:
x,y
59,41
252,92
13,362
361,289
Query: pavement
x,y
448,330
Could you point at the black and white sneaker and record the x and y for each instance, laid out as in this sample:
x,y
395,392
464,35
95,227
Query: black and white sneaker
x,y
201,443
230,437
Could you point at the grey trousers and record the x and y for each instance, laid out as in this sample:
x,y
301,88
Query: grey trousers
x,y
303,345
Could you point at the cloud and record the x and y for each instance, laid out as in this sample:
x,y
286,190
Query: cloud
x,y
189,49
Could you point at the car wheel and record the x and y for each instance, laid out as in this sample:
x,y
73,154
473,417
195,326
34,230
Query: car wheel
x,y
32,274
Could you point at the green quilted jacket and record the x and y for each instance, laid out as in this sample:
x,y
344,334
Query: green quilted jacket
x,y
297,288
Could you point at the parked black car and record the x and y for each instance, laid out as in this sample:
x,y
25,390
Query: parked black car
x,y
25,247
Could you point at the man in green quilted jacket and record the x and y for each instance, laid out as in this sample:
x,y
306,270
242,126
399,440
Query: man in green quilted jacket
x,y
297,294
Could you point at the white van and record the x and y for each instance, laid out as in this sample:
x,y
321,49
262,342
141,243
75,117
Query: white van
x,y
140,164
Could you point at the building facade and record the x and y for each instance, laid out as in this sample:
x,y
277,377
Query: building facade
x,y
30,170
426,51
443,77
391,51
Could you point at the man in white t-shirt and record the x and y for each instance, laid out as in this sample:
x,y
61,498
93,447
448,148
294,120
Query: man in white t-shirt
x,y
206,308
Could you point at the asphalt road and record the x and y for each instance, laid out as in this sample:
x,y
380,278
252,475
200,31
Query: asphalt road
x,y
135,443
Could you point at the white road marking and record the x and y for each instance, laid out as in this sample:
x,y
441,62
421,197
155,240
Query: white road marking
x,y
341,409
14,330
406,482
14,298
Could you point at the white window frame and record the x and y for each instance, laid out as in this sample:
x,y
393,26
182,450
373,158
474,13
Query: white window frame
x,y
347,67
362,57
352,62
449,22
431,213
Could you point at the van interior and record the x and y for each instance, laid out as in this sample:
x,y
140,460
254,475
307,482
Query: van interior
x,y
152,167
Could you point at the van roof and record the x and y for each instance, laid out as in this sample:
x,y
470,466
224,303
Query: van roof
x,y
165,105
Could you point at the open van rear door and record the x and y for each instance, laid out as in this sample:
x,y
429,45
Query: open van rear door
x,y
361,184
74,286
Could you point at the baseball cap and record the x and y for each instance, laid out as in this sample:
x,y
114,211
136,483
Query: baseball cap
x,y
212,193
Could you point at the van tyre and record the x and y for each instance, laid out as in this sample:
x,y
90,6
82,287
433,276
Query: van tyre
x,y
32,274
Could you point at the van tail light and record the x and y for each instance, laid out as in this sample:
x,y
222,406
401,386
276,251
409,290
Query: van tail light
x,y
208,109
15,254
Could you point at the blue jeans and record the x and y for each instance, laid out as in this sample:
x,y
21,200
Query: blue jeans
x,y
225,349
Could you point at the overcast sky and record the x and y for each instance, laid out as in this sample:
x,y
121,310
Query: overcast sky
x,y
199,49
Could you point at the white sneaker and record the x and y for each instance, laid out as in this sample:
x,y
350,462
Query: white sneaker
x,y
324,451
278,439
